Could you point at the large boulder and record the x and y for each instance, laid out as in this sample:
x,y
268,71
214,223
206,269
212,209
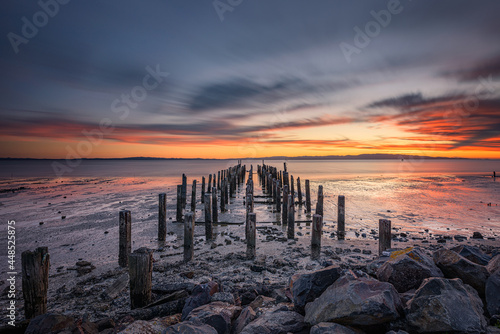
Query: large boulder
x,y
446,305
456,266
54,323
201,295
472,253
142,326
408,269
280,321
331,328
219,315
494,264
354,300
246,316
188,327
493,293
307,287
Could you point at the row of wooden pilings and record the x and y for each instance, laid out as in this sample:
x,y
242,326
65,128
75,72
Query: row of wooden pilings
x,y
277,185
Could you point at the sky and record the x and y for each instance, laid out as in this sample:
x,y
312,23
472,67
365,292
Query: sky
x,y
241,78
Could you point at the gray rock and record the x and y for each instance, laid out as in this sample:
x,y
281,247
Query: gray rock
x,y
277,322
331,328
202,294
398,332
307,287
446,305
456,266
142,326
473,254
493,293
407,270
246,316
373,266
219,315
494,264
225,297
54,323
354,300
188,327
492,330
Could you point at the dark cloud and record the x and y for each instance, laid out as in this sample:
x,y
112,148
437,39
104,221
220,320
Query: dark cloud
x,y
485,69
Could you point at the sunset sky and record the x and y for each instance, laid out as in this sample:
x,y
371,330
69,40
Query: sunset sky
x,y
243,78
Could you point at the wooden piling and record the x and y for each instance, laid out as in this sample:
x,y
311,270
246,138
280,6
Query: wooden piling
x,y
188,236
209,187
184,191
178,216
251,234
494,174
341,218
208,218
215,216
317,231
319,204
193,197
284,211
278,199
141,275
299,191
162,217
291,217
308,197
35,281
218,180
202,189
125,245
384,230
292,188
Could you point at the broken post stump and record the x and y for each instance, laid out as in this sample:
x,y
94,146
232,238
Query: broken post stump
x,y
141,275
162,217
215,216
317,231
251,234
125,245
193,197
291,217
319,204
308,197
299,191
188,236
178,216
35,281
384,230
284,211
184,191
202,189
341,218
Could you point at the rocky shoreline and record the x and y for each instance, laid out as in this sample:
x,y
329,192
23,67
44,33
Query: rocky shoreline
x,y
451,286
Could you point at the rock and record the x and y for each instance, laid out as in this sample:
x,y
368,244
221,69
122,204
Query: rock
x,y
262,302
472,254
55,323
398,332
460,237
493,293
277,322
354,300
456,266
141,326
216,314
494,264
446,305
477,235
246,316
492,330
225,297
202,294
331,328
407,270
188,327
373,266
307,287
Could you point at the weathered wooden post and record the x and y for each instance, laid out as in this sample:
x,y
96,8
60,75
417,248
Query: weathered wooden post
x,y
193,197
291,217
278,199
188,236
284,166
184,191
202,189
299,191
218,180
319,204
341,218
292,188
223,196
209,187
284,211
35,282
494,174
178,216
251,234
286,180
215,216
162,217
317,231
141,276
308,197
125,246
384,230
208,218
